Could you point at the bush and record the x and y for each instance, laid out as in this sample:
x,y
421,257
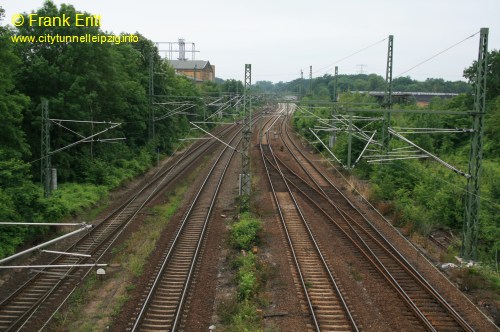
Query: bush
x,y
239,317
240,314
247,277
71,198
244,232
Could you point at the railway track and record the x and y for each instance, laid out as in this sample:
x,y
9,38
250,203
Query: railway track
x,y
162,306
441,239
35,302
431,309
324,298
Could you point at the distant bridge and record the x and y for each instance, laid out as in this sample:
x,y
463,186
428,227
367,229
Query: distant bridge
x,y
399,97
402,96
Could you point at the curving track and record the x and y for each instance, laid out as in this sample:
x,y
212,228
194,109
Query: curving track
x,y
427,305
324,298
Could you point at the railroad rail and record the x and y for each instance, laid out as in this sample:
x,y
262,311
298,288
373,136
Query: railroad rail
x,y
162,307
35,302
433,311
164,300
325,301
441,239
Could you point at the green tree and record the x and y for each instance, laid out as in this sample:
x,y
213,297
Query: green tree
x,y
492,74
12,103
265,86
232,86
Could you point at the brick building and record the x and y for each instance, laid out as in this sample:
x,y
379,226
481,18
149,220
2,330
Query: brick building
x,y
202,70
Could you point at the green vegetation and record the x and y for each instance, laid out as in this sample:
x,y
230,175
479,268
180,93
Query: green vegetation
x,y
142,243
244,232
116,287
424,195
239,317
323,87
83,82
241,313
246,276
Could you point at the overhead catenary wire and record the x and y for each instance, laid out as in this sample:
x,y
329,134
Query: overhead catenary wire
x,y
408,130
491,203
436,55
327,149
410,173
444,163
71,130
84,139
383,160
363,136
350,55
342,120
182,108
85,121
364,149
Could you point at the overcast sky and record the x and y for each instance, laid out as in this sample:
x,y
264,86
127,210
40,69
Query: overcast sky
x,y
281,37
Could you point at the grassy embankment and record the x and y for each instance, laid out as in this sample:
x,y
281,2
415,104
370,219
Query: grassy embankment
x,y
97,302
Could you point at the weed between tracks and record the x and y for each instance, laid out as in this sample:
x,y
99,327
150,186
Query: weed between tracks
x,y
95,303
242,312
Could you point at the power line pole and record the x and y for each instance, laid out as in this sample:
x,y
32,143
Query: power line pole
x,y
151,93
388,95
245,180
310,79
334,97
301,83
361,66
335,82
471,218
45,149
349,141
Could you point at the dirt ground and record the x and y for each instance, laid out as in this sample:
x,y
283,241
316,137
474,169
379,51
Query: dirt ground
x,y
479,307
213,284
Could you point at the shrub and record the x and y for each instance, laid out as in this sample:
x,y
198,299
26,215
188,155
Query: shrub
x,y
247,277
244,232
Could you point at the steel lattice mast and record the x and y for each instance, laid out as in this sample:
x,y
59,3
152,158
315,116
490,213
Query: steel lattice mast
x,y
332,138
45,149
471,218
310,79
150,95
388,94
245,180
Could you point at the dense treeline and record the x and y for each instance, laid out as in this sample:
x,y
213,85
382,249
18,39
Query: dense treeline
x,y
323,87
425,195
84,82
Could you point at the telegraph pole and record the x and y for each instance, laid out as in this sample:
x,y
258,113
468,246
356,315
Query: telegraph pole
x,y
45,149
245,180
388,95
471,218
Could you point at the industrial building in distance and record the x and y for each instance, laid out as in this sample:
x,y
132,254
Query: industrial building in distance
x,y
197,70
